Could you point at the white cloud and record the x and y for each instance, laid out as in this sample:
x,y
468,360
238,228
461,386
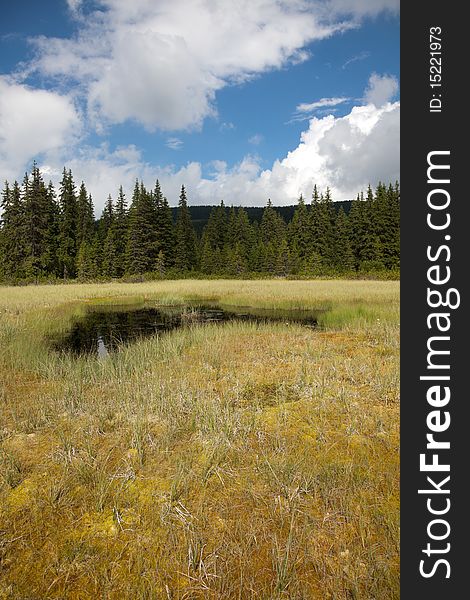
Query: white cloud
x,y
102,170
356,58
161,63
32,122
306,108
256,139
74,5
361,8
174,143
345,153
380,89
226,127
305,111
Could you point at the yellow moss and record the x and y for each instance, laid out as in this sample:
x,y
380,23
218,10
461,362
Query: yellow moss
x,y
23,495
132,454
98,524
219,523
149,491
359,443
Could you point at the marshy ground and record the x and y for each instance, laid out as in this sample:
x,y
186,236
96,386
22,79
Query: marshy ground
x,y
222,461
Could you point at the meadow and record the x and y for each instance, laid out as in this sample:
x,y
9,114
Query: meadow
x,y
236,461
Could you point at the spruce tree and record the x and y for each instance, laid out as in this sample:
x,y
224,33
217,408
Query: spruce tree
x,y
283,261
356,227
207,257
118,235
68,226
85,216
185,257
387,220
300,233
215,238
51,249
141,249
371,249
104,255
242,234
164,229
272,233
40,236
37,215
343,253
272,227
13,233
86,260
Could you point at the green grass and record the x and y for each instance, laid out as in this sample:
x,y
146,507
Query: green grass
x,y
235,461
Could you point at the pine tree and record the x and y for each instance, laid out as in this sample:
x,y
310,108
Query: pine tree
x,y
168,235
387,223
118,235
236,262
371,249
300,233
357,228
37,212
13,233
68,226
272,233
283,261
343,254
185,258
160,264
272,227
207,257
40,236
51,249
242,233
216,228
215,238
327,219
103,253
86,261
322,216
141,248
85,216
164,228
393,250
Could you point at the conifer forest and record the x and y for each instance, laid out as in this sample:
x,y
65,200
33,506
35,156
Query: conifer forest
x,y
48,234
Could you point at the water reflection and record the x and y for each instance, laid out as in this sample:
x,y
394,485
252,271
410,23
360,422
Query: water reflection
x,y
102,330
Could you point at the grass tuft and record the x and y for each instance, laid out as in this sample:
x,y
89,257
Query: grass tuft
x,y
234,461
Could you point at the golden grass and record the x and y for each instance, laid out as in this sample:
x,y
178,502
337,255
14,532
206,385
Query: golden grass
x,y
237,461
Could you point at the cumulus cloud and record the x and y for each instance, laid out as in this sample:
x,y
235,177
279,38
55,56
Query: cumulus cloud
x,y
380,89
74,5
33,122
345,153
161,63
103,170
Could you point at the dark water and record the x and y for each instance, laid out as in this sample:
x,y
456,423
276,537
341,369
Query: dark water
x,y
103,330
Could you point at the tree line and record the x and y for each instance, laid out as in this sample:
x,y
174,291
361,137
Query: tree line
x,y
46,234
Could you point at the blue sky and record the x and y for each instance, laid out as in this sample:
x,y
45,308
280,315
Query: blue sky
x,y
237,100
